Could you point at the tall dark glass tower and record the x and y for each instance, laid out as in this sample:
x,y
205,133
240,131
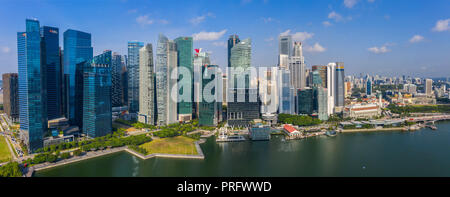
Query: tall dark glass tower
x,y
116,79
32,92
133,75
51,61
233,40
185,59
77,49
97,114
340,85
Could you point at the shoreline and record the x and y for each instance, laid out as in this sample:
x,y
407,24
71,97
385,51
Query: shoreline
x,y
91,155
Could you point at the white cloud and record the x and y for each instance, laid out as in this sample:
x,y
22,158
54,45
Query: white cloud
x,y
162,21
335,16
268,20
350,3
209,35
371,1
379,50
326,23
416,38
298,36
199,19
442,25
220,44
315,48
132,11
6,49
144,20
269,39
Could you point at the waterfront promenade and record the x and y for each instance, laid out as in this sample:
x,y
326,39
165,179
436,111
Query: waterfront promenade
x,y
199,154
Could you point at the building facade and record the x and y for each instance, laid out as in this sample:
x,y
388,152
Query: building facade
x,y
147,102
11,95
133,75
185,61
116,80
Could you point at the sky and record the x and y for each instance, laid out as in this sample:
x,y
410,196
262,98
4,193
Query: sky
x,y
384,37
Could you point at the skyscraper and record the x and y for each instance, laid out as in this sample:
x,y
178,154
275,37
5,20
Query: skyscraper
x,y
77,49
331,86
133,75
210,107
305,101
200,59
185,63
340,85
286,92
285,50
51,61
243,104
97,114
232,40
147,108
32,93
297,67
11,95
428,87
322,70
369,86
166,63
116,79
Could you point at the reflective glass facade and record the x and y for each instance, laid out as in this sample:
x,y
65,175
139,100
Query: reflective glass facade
x,y
133,75
185,51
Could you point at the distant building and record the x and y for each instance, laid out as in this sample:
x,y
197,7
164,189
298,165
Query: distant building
x,y
11,95
232,40
185,60
200,59
429,87
133,75
285,50
369,87
97,114
211,106
362,111
116,79
305,101
286,93
340,85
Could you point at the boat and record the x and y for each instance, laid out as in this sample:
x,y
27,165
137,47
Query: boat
x,y
331,133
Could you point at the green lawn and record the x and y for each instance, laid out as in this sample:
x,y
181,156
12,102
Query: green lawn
x,y
5,155
171,145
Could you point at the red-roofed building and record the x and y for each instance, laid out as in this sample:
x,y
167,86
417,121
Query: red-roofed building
x,y
290,130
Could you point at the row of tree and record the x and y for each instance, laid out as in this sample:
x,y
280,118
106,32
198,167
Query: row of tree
x,y
11,169
299,120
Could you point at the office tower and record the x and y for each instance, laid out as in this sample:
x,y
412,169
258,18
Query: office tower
x,y
305,101
166,63
32,92
232,40
116,80
77,49
297,67
286,92
340,85
50,60
308,77
185,83
200,59
11,95
147,108
224,89
133,76
97,114
268,88
348,89
428,87
243,104
316,79
284,50
124,82
369,87
64,85
321,103
322,70
331,86
210,107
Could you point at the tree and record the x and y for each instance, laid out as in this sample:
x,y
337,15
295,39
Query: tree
x,y
11,169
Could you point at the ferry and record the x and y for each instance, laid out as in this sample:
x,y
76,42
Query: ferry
x,y
331,133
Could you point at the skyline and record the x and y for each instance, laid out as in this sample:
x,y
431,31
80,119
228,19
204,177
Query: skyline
x,y
383,34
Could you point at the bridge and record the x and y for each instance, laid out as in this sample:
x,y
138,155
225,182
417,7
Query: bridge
x,y
428,119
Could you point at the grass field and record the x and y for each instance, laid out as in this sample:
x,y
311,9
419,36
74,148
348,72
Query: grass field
x,y
172,145
5,155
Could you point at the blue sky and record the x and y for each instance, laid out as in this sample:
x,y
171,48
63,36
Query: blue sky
x,y
387,37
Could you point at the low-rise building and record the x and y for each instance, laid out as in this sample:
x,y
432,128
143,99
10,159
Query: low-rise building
x,y
259,132
290,130
362,111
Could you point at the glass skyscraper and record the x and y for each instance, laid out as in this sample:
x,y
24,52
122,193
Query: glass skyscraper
x,y
51,61
116,79
32,109
185,51
286,92
233,40
340,85
77,49
97,114
147,94
210,107
11,95
305,101
133,75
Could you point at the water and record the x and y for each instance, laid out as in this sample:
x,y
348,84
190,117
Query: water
x,y
421,153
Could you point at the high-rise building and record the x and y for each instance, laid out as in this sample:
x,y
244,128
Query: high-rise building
x,y
369,86
11,95
116,80
297,67
331,87
305,101
285,50
166,63
242,97
232,40
200,59
286,92
77,49
268,91
321,103
124,82
340,85
147,102
322,70
97,113
52,69
428,87
185,83
32,92
133,75
210,107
